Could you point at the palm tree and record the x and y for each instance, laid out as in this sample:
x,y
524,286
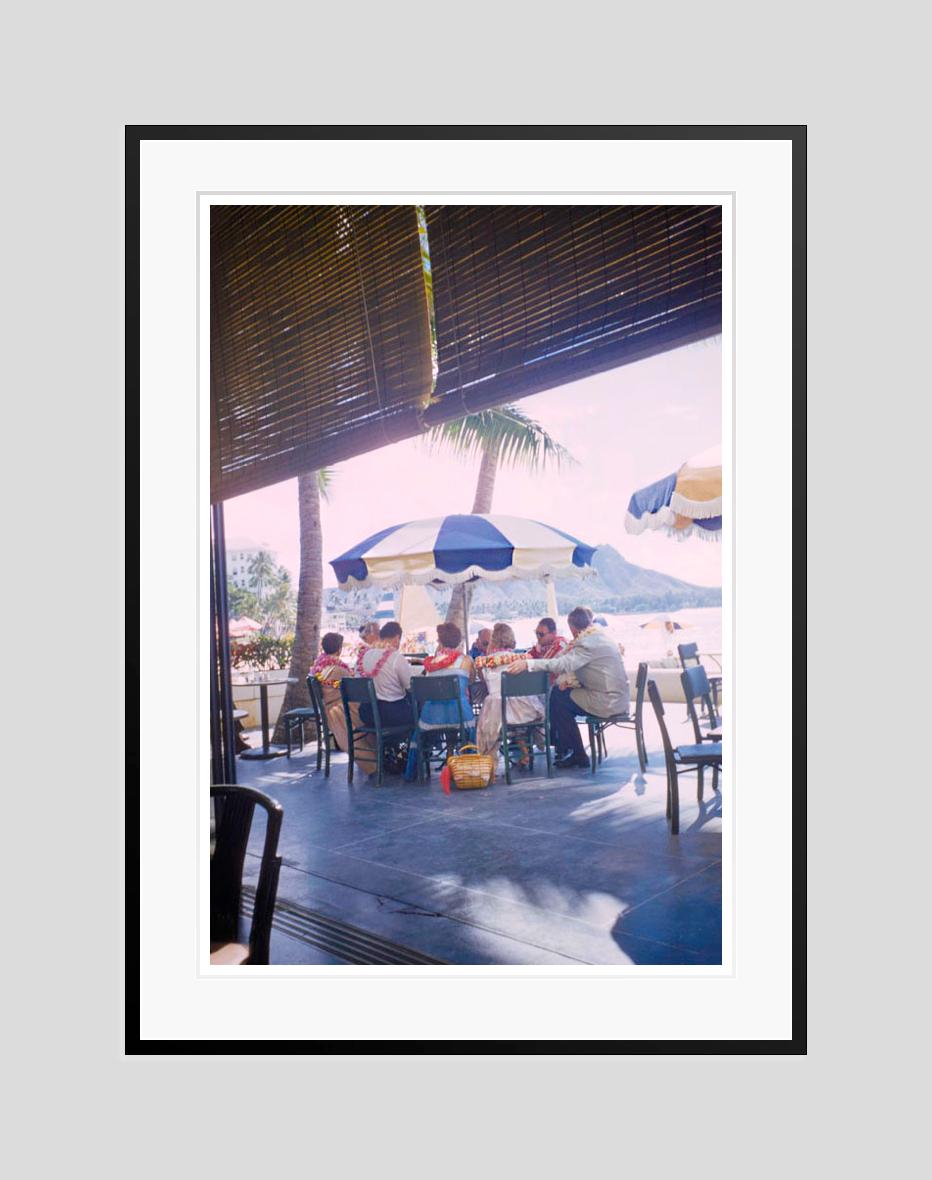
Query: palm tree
x,y
280,605
311,487
261,572
503,437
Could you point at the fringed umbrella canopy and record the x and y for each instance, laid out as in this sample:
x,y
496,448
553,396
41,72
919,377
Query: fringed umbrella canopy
x,y
447,550
687,503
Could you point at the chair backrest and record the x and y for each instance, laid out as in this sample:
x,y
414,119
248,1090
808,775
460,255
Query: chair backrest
x,y
696,686
358,690
435,688
439,688
316,692
524,684
689,653
640,687
234,808
654,693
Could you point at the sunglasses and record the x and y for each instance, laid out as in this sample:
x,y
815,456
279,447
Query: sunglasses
x,y
541,634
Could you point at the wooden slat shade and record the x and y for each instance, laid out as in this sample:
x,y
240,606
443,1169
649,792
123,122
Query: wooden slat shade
x,y
320,332
530,297
320,338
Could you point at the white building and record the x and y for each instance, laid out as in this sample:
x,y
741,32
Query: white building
x,y
239,555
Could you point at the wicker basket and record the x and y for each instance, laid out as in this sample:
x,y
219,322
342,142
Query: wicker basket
x,y
471,770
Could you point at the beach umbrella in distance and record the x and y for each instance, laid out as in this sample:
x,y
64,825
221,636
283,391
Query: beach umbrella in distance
x,y
240,628
684,504
660,625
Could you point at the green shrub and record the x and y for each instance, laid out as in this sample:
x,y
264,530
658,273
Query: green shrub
x,y
264,653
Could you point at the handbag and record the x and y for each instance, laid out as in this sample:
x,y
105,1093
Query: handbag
x,y
467,771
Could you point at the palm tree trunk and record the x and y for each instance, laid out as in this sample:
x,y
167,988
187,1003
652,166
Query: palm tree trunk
x,y
482,503
485,485
310,598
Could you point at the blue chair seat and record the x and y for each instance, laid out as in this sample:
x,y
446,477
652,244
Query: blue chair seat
x,y
707,752
301,713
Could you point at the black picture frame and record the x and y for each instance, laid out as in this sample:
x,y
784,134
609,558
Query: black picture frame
x,y
135,136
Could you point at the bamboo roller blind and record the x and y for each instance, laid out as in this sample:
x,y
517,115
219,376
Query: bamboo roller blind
x,y
320,336
530,297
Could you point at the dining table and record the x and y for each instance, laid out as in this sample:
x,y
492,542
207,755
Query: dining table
x,y
262,680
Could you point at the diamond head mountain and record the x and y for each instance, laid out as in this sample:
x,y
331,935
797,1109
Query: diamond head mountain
x,y
620,587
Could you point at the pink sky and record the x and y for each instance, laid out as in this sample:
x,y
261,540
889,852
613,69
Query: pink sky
x,y
627,427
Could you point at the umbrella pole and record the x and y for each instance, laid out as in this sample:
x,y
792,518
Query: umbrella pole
x,y
466,617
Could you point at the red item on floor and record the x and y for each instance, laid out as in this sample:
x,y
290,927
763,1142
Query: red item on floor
x,y
446,778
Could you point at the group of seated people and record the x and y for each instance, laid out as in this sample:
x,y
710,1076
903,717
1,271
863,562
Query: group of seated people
x,y
587,675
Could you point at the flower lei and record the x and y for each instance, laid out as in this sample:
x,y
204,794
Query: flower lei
x,y
443,657
592,629
322,663
498,659
361,671
558,645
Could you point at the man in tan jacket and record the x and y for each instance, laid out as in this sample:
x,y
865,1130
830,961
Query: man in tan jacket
x,y
593,658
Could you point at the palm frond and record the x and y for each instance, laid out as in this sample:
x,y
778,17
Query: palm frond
x,y
515,438
325,482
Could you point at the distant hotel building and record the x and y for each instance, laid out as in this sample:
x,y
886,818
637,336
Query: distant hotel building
x,y
239,555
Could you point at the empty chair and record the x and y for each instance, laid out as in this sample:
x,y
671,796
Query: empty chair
x,y
360,690
234,808
696,688
689,658
526,684
440,718
682,759
295,719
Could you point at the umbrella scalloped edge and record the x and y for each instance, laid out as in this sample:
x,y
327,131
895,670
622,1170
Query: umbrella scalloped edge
x,y
697,509
427,577
662,521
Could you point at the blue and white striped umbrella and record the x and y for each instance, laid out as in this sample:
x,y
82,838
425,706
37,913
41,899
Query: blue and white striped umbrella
x,y
451,549
686,503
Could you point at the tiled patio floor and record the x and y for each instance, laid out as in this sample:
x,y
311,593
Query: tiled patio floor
x,y
573,869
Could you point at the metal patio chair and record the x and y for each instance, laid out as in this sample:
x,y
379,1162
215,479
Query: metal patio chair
x,y
696,688
597,726
325,738
234,808
689,658
526,684
295,719
682,759
425,689
360,690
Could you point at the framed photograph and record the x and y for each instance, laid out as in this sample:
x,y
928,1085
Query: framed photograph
x,y
466,517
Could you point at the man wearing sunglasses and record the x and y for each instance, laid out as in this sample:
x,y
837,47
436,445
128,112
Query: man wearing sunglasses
x,y
549,643
603,689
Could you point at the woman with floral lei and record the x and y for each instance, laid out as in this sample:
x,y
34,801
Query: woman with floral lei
x,y
521,710
328,669
449,659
